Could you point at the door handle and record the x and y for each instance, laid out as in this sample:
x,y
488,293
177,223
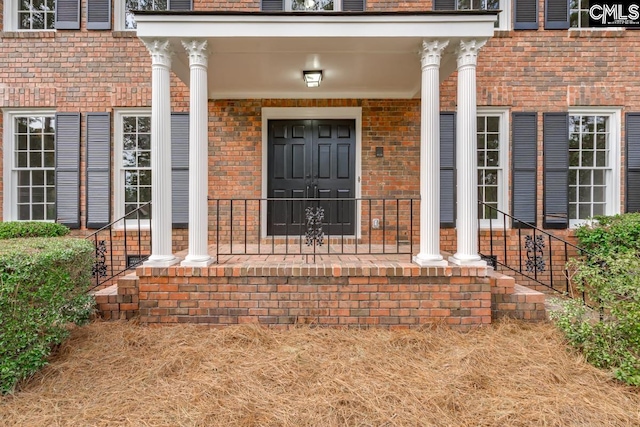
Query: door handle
x,y
306,194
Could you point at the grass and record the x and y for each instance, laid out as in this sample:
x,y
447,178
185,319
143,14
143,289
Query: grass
x,y
509,374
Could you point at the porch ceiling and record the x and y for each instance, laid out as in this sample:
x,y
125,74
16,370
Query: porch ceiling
x,y
362,55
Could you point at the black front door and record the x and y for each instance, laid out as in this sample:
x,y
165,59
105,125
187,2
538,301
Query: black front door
x,y
311,159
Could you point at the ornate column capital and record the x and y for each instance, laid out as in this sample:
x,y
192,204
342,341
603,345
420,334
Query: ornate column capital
x,y
160,52
431,51
197,51
467,52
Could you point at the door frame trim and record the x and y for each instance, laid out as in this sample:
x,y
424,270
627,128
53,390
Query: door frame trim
x,y
301,113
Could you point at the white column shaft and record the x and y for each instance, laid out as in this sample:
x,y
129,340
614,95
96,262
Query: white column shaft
x,y
466,155
430,156
161,243
198,156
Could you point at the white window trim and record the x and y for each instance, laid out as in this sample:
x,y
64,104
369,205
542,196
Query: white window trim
x,y
9,175
118,181
503,174
505,16
337,6
10,18
119,15
612,206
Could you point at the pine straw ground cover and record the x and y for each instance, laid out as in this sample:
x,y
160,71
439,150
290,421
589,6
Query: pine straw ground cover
x,y
509,374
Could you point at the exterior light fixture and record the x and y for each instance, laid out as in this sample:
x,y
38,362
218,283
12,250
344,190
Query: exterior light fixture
x,y
312,77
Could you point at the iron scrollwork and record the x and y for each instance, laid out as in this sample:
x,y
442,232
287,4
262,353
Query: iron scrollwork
x,y
535,254
100,266
314,233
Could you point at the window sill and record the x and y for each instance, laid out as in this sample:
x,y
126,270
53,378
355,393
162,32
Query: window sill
x,y
597,33
28,34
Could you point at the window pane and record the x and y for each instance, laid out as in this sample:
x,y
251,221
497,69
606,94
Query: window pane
x,y
21,160
574,158
572,210
601,158
574,141
144,159
584,211
24,178
24,212
35,159
144,124
24,195
49,159
37,212
598,194
493,158
38,177
587,142
584,194
51,211
145,177
573,194
598,209
493,124
129,123
144,142
37,194
587,158
584,177
51,194
51,177
49,142
598,177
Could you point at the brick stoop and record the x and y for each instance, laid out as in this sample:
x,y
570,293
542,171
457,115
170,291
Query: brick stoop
x,y
120,300
508,299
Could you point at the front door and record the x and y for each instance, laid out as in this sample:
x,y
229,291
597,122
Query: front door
x,y
311,159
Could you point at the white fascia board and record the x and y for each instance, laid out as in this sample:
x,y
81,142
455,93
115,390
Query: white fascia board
x,y
223,26
313,95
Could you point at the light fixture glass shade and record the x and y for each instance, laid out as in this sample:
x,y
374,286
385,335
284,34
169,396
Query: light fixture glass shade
x,y
312,77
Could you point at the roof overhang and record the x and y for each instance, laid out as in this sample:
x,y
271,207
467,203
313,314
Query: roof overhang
x,y
362,55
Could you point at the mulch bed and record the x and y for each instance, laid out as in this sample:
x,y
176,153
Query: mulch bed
x,y
509,374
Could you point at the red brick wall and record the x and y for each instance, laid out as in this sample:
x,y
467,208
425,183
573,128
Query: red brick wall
x,y
389,296
539,71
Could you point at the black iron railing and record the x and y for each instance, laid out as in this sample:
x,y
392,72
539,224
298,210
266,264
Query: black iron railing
x,y
313,227
540,258
121,245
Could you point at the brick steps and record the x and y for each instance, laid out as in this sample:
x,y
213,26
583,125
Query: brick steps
x,y
509,299
120,300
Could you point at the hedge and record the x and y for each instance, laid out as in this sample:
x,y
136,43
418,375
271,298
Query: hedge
x,y
15,229
43,287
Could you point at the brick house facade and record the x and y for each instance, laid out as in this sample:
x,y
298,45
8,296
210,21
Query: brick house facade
x,y
557,104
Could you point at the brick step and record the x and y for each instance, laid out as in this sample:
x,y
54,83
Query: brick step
x,y
120,300
501,283
523,303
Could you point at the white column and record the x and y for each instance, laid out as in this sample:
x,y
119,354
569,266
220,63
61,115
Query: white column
x,y
430,156
198,255
161,240
466,156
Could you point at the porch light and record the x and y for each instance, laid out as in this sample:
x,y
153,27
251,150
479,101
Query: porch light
x,y
312,77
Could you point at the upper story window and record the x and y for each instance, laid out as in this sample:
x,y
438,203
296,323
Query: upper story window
x,y
504,6
36,14
579,13
312,5
130,5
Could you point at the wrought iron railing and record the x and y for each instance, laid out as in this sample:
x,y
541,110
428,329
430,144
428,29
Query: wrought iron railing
x,y
121,245
540,258
313,227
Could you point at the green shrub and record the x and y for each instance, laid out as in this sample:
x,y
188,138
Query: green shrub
x,y
15,229
611,234
43,284
609,336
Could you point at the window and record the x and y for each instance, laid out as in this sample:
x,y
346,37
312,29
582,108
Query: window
x,y
30,173
480,5
133,162
593,165
492,131
579,13
36,14
128,22
313,5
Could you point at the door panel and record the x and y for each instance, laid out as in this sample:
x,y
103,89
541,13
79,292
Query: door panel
x,y
313,159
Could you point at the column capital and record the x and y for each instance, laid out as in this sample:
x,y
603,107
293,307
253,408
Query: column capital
x,y
467,51
197,51
431,51
160,52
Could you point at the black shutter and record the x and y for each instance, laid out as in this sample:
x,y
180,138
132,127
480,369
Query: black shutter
x,y
353,5
444,4
632,184
526,14
68,169
524,154
98,14
98,185
447,170
556,170
180,169
180,5
272,5
67,15
556,14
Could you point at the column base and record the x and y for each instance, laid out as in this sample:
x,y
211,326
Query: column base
x,y
161,261
197,261
467,260
430,261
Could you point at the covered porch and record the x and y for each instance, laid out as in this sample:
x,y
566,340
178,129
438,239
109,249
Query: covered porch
x,y
363,56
